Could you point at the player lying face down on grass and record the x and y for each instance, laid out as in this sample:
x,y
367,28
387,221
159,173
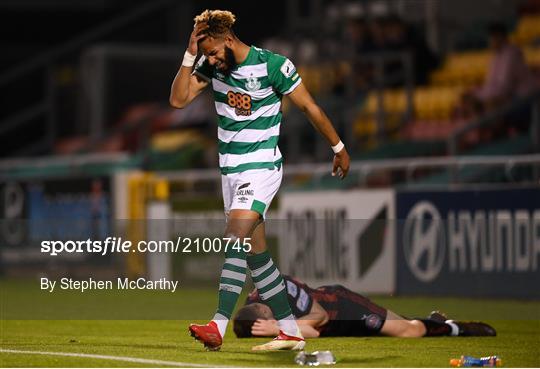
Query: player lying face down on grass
x,y
248,85
333,311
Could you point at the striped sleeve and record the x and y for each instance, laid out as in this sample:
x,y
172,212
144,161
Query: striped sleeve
x,y
299,299
282,74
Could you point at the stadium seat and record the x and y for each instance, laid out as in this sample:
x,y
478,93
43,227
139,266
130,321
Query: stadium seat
x,y
469,69
532,56
319,79
174,140
465,68
527,30
433,130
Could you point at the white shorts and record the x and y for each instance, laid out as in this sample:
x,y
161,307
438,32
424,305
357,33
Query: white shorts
x,y
252,190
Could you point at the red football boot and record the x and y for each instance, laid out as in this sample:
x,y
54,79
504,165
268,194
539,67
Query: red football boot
x,y
207,334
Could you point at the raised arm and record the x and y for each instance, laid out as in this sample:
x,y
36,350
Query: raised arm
x,y
301,97
187,86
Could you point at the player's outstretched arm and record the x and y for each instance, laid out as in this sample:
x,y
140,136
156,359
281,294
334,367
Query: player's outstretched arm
x,y
316,318
186,86
304,101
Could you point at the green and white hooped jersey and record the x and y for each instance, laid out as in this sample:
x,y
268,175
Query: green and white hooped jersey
x,y
248,104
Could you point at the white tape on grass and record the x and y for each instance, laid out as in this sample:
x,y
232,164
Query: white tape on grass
x,y
115,358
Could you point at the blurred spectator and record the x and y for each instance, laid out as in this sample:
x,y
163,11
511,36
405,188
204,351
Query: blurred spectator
x,y
395,33
508,77
508,74
398,36
389,34
394,38
358,41
358,34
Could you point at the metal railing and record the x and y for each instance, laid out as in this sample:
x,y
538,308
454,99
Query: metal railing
x,y
365,168
360,171
71,161
491,118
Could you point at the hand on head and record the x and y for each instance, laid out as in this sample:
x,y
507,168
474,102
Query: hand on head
x,y
265,327
197,34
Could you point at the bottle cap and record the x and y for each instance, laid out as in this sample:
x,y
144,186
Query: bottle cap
x,y
455,362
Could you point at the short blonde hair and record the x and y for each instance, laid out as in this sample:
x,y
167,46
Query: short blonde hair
x,y
219,22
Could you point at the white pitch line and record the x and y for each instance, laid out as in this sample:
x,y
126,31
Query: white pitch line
x,y
116,358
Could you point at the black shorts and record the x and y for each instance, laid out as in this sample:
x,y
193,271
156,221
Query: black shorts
x,y
351,314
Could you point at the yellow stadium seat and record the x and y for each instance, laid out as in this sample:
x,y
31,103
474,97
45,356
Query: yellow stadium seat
x,y
532,56
527,30
365,127
468,68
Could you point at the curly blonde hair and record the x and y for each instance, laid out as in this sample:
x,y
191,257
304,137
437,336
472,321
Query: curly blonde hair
x,y
219,22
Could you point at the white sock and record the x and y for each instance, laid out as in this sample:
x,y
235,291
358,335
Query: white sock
x,y
289,327
221,322
455,328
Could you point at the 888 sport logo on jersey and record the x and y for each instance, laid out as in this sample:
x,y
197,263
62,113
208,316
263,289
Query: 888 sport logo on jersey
x,y
240,102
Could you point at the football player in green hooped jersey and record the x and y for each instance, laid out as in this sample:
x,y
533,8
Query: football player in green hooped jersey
x,y
248,84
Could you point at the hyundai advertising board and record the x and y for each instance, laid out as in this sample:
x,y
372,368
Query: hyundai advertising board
x,y
469,243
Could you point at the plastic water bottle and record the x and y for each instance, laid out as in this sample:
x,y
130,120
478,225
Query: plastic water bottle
x,y
315,358
469,361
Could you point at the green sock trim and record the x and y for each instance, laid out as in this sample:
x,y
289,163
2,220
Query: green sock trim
x,y
234,253
234,268
271,285
224,313
279,304
227,299
234,282
265,274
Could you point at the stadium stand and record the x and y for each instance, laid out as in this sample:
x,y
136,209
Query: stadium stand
x,y
381,113
434,104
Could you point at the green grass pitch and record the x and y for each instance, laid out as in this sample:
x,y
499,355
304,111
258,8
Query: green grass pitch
x,y
517,323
